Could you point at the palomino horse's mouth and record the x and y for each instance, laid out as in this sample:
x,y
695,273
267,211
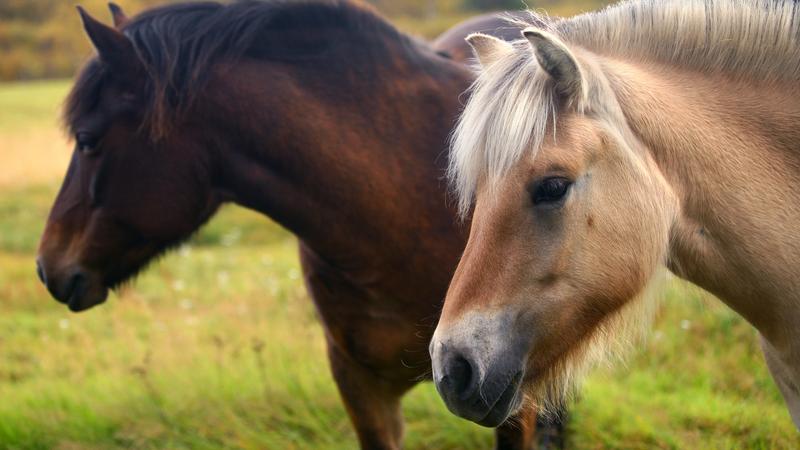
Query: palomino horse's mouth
x,y
508,403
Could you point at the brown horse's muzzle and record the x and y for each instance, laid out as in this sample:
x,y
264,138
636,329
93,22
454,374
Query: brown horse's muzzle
x,y
73,286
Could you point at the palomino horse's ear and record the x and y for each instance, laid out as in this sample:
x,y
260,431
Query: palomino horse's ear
x,y
488,49
112,47
559,62
118,15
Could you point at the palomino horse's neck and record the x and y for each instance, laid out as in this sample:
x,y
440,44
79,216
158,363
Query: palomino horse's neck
x,y
730,151
348,153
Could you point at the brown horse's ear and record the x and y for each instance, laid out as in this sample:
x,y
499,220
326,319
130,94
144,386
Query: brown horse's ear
x,y
112,47
488,49
558,61
118,15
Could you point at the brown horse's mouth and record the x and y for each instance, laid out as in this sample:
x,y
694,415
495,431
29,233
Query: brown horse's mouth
x,y
85,291
83,299
80,290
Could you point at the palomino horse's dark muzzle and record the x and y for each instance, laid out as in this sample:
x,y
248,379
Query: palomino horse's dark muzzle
x,y
479,374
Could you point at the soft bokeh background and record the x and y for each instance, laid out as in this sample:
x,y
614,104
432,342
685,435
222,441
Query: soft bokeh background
x,y
218,346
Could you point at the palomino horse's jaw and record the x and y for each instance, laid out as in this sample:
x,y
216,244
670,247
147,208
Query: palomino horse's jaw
x,y
478,367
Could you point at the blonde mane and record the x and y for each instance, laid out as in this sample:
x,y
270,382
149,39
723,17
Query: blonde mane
x,y
513,103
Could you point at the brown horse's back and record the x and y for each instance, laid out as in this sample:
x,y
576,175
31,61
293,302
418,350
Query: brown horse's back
x,y
497,24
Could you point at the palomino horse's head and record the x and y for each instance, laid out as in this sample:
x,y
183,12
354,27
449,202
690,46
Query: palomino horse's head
x,y
571,221
131,190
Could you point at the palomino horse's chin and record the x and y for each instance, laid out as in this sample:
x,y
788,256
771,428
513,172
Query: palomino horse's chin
x,y
509,403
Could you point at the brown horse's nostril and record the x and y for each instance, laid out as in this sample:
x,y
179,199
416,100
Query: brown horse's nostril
x,y
66,289
40,271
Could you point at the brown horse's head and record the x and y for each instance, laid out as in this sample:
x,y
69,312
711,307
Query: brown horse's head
x,y
571,222
134,187
192,104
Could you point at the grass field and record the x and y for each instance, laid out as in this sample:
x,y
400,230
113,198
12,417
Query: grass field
x,y
218,346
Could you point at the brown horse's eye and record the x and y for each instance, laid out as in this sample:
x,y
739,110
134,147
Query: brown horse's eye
x,y
551,190
86,143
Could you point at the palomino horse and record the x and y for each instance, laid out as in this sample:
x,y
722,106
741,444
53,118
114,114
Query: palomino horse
x,y
597,150
318,114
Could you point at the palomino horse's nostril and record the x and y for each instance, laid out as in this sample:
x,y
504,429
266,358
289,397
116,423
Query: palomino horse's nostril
x,y
461,372
461,377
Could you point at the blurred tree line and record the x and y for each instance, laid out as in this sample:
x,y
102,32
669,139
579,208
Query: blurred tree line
x,y
44,38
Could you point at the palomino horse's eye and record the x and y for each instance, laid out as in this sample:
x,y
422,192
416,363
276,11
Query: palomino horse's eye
x,y
551,190
86,143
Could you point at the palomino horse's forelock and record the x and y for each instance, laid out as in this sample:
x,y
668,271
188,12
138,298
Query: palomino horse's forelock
x,y
511,105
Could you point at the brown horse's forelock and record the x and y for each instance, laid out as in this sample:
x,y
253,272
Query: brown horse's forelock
x,y
177,45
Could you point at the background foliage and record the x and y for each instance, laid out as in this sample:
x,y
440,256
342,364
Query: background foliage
x,y
44,39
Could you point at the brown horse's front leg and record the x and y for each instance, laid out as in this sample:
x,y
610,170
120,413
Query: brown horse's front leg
x,y
372,403
525,431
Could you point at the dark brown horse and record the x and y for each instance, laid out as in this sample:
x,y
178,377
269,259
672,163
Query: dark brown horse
x,y
320,115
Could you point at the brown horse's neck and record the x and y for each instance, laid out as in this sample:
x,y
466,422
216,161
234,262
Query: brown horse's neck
x,y
729,151
347,152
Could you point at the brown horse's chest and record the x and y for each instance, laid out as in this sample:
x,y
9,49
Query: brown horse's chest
x,y
378,335
380,329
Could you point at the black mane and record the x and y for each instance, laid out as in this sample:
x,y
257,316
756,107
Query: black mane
x,y
179,44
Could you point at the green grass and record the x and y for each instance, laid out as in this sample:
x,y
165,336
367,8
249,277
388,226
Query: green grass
x,y
217,346
30,104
